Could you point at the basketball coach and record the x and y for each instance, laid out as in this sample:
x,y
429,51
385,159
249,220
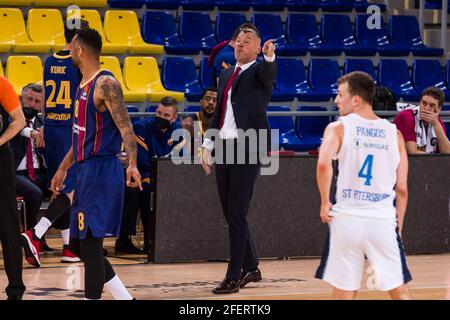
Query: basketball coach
x,y
244,92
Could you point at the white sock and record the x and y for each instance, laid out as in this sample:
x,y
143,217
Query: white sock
x,y
117,289
65,234
41,227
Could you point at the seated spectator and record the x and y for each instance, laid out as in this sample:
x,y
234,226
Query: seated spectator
x,y
201,120
153,136
28,154
422,128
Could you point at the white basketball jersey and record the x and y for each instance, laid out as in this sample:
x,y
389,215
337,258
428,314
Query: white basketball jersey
x,y
368,161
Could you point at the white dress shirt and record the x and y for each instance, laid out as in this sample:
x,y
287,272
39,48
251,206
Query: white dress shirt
x,y
26,132
229,128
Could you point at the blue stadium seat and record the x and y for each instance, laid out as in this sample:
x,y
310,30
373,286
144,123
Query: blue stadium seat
x,y
234,5
287,138
362,5
310,129
394,74
198,4
128,4
302,32
195,31
303,5
291,80
162,4
206,74
323,75
131,108
337,33
159,27
426,73
335,5
365,65
376,38
404,31
271,27
192,109
435,4
151,109
269,5
226,23
179,74
447,73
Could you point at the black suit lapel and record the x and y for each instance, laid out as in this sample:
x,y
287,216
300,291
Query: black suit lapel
x,y
238,78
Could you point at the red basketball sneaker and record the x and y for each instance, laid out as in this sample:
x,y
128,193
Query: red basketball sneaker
x,y
31,246
68,256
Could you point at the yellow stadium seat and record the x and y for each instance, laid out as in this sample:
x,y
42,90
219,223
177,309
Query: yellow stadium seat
x,y
52,3
13,34
90,3
21,70
112,64
122,27
2,74
16,3
65,3
46,25
141,74
95,22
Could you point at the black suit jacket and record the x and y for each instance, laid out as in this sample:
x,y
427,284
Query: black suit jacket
x,y
19,146
250,96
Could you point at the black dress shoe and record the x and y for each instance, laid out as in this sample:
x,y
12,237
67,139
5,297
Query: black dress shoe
x,y
250,276
126,246
227,286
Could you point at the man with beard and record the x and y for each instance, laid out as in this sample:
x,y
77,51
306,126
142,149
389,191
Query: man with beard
x,y
198,123
153,136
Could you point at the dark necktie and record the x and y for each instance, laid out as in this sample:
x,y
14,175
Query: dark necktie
x,y
30,166
223,107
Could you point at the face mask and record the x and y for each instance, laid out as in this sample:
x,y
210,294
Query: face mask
x,y
29,113
162,123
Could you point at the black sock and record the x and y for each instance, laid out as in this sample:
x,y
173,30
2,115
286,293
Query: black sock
x,y
57,207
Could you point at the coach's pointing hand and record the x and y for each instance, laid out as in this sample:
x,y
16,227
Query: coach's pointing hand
x,y
269,48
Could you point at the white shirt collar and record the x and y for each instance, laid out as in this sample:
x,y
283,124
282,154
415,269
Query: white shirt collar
x,y
245,66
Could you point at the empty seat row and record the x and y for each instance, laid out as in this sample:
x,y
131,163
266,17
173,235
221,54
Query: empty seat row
x,y
300,34
140,79
243,5
319,83
44,31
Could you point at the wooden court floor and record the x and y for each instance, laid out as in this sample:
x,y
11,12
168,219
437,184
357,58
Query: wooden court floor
x,y
291,279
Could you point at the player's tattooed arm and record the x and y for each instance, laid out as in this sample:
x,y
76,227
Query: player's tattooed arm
x,y
109,90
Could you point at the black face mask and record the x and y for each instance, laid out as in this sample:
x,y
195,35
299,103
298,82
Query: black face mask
x,y
162,123
29,113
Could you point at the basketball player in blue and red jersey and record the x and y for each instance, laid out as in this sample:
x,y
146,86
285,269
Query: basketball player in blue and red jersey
x,y
101,123
61,80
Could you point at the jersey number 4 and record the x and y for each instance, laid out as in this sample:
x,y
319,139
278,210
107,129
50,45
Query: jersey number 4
x,y
63,96
366,170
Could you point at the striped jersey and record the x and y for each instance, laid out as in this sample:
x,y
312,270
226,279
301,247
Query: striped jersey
x,y
94,133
